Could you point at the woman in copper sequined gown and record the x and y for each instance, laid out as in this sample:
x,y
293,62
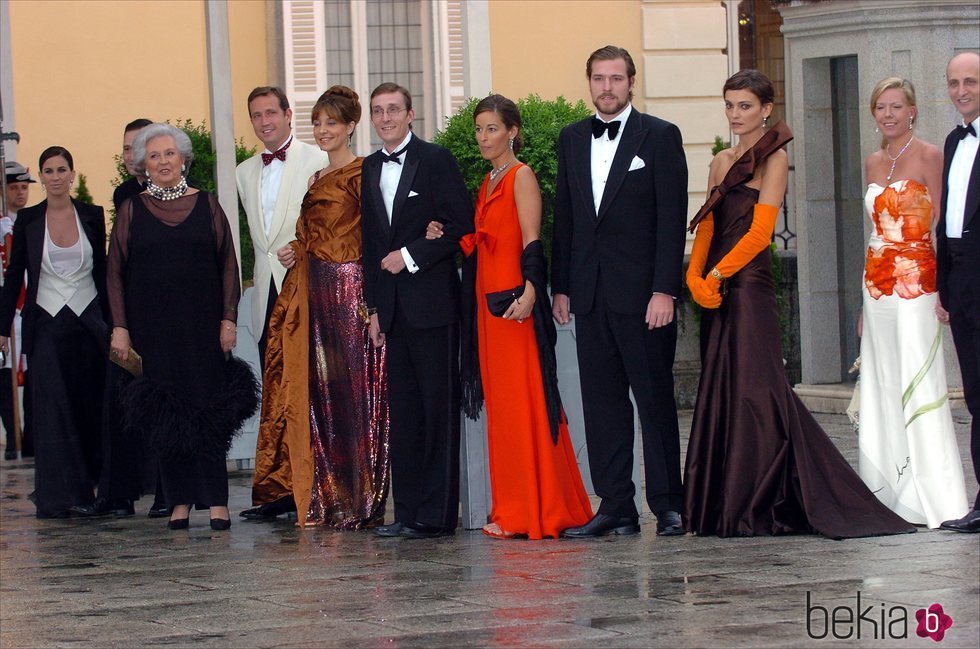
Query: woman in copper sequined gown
x,y
324,380
757,462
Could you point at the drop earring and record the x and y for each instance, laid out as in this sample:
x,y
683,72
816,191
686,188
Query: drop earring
x,y
765,122
877,130
910,122
510,144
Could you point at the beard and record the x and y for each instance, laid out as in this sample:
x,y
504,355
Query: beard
x,y
619,104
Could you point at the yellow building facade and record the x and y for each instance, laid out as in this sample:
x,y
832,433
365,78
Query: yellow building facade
x,y
77,72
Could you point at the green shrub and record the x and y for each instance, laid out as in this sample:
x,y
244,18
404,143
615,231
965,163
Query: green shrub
x,y
81,192
542,121
201,176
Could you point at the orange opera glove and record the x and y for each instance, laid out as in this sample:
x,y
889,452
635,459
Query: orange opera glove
x,y
755,241
702,291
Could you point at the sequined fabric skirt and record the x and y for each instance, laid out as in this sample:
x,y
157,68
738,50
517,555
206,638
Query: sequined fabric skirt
x,y
348,402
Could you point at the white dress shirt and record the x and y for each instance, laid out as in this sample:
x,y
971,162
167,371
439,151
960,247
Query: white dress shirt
x,y
960,169
391,173
271,180
603,152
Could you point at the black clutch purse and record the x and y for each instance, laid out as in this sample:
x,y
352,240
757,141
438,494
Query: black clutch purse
x,y
500,301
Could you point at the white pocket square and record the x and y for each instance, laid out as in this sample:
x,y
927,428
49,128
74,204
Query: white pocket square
x,y
637,163
411,193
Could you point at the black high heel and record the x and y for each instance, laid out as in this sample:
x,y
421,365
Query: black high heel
x,y
220,524
178,524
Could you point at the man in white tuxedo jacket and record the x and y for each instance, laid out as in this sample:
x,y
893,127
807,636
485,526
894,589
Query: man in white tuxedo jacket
x,y
271,185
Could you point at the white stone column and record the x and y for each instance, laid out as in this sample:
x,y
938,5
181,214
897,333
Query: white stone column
x,y
222,119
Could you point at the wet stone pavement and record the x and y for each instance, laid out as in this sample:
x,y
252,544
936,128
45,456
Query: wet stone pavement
x,y
131,582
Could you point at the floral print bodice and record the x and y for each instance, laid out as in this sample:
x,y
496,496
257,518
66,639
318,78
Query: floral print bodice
x,y
900,258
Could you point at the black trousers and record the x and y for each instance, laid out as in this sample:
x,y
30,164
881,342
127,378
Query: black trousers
x,y
964,322
423,402
263,337
68,361
616,353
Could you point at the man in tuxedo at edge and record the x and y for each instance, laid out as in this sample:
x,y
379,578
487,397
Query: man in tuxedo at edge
x,y
617,256
411,287
134,184
271,185
958,249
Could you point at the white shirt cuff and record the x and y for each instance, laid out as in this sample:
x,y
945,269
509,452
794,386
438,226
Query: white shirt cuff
x,y
409,262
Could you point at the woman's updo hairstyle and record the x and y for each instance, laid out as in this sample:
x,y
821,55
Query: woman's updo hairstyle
x,y
508,113
53,151
339,103
753,81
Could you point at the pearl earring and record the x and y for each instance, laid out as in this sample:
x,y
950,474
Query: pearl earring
x,y
877,130
765,121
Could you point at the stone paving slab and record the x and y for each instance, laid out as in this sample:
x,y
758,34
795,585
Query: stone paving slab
x,y
131,582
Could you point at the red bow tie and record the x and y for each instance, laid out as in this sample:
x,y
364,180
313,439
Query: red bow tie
x,y
280,153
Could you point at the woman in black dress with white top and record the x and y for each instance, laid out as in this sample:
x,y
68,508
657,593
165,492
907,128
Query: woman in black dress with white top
x,y
60,243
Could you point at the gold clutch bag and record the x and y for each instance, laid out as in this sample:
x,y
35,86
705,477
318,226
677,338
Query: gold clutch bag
x,y
133,363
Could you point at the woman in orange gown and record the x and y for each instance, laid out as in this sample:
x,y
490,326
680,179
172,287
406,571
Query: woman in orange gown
x,y
534,478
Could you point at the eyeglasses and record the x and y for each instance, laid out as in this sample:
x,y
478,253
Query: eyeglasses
x,y
391,111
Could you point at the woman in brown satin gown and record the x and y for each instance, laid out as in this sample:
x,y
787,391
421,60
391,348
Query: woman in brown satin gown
x,y
757,462
324,382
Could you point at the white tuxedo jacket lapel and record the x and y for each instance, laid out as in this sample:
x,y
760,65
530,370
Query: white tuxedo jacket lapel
x,y
251,193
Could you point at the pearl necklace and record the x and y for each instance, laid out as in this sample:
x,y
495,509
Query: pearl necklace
x,y
167,193
495,173
895,159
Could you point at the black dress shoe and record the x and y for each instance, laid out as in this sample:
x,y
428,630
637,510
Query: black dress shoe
x,y
669,523
269,511
389,531
220,524
105,507
158,510
10,454
178,524
47,515
603,524
969,523
423,531
101,507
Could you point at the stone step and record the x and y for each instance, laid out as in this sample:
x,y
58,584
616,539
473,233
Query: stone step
x,y
835,397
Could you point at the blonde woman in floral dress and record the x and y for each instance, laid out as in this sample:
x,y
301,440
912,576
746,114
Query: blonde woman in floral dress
x,y
908,453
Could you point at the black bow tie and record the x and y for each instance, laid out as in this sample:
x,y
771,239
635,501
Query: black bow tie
x,y
599,127
963,131
394,156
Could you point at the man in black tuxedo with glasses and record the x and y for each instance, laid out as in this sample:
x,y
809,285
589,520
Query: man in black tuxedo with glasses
x,y
411,286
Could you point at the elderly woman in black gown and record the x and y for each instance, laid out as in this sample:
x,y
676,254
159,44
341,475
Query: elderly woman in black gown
x,y
173,291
